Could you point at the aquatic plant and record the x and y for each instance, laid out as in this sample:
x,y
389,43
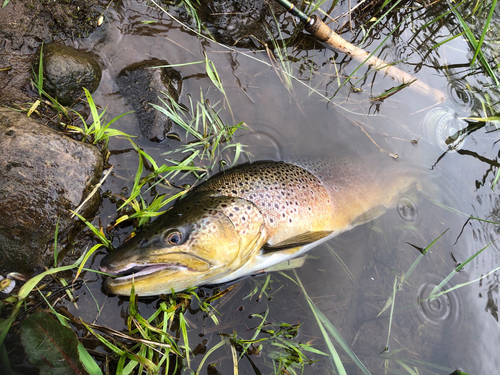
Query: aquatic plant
x,y
208,137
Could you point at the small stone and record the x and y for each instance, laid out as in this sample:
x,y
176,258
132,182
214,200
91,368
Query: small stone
x,y
66,71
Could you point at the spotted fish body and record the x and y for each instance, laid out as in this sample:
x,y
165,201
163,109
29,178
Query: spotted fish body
x,y
253,217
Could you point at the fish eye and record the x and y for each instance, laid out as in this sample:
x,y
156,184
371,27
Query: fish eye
x,y
173,237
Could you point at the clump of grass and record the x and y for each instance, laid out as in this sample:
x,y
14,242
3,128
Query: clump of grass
x,y
209,140
144,211
274,340
97,131
154,344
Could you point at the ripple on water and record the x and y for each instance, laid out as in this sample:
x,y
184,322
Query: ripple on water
x,y
461,95
433,320
265,142
407,209
442,310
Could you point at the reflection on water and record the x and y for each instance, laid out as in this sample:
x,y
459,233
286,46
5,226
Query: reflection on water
x,y
457,330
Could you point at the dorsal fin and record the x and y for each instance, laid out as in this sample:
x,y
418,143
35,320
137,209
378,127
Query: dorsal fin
x,y
299,240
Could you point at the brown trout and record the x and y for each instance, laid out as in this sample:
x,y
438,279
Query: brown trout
x,y
252,217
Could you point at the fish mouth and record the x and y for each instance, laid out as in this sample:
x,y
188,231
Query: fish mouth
x,y
142,270
177,272
135,271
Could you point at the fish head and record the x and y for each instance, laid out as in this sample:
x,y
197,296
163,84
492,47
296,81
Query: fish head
x,y
201,239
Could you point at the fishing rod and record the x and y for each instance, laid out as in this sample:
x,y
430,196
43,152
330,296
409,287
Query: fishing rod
x,y
322,33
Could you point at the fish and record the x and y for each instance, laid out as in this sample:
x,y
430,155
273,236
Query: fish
x,y
249,218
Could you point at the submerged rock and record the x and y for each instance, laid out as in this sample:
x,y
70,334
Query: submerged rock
x,y
242,23
43,174
66,71
141,85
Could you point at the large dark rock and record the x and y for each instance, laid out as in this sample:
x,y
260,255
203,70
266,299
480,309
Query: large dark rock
x,y
66,71
141,85
43,174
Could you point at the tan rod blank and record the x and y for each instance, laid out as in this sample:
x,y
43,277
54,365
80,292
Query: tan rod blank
x,y
320,31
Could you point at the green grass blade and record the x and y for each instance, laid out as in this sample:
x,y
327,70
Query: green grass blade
x,y
460,266
40,72
437,288
93,110
177,65
318,316
96,231
212,349
433,242
183,326
342,264
257,331
55,242
326,324
467,283
448,40
394,288
31,283
87,361
88,254
485,29
496,180
475,45
441,15
136,189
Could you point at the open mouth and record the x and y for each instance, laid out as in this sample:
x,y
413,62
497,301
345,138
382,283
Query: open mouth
x,y
136,270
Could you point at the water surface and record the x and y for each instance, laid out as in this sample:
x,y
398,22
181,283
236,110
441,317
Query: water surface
x,y
459,329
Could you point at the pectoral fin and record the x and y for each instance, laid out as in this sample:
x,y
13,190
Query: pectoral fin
x,y
297,241
369,215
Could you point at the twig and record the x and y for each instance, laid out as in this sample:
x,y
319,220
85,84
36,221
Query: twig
x,y
92,192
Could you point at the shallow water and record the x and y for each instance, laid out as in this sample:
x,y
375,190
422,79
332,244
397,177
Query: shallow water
x,y
459,329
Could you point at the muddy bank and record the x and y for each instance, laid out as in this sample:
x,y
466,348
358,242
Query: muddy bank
x,y
24,25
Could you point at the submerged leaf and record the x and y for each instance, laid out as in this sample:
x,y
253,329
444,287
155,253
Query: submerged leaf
x,y
51,347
